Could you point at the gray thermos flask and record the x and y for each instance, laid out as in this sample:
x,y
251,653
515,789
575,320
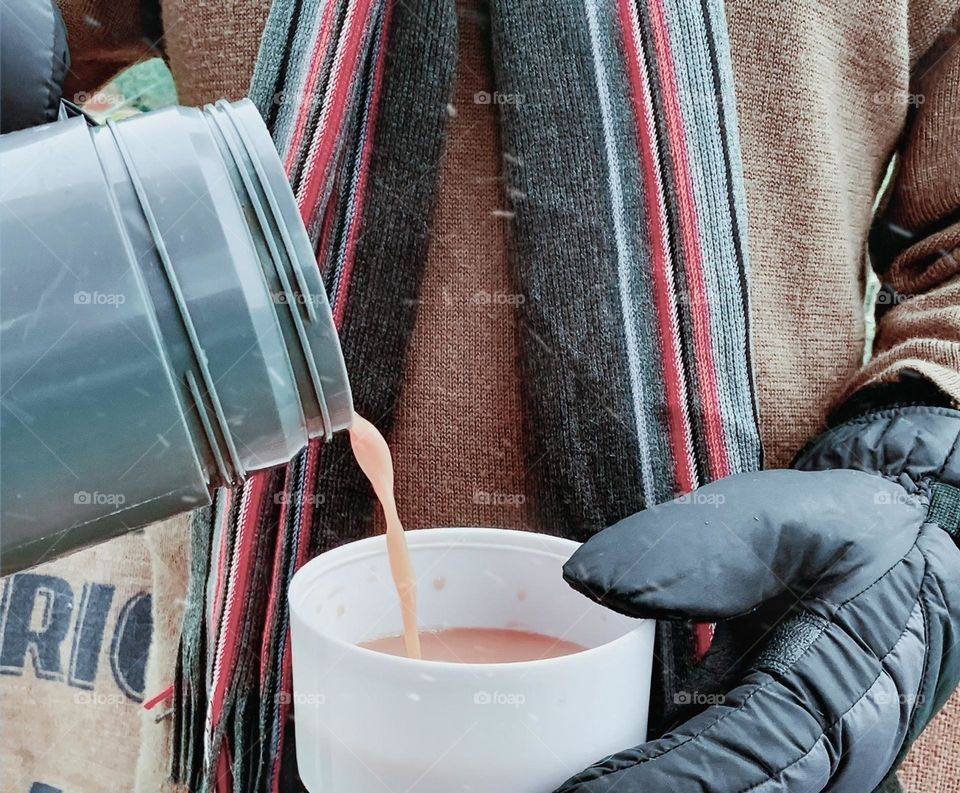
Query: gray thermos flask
x,y
164,328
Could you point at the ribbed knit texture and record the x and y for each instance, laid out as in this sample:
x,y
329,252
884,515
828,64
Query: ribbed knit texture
x,y
916,241
637,376
338,81
230,34
822,95
628,402
633,393
458,440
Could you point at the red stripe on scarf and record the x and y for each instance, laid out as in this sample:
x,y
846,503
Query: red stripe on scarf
x,y
719,463
238,583
340,306
327,224
277,578
306,100
677,418
220,589
318,165
286,673
224,778
307,198
163,696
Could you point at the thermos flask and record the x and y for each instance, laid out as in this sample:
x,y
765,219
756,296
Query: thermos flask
x,y
164,328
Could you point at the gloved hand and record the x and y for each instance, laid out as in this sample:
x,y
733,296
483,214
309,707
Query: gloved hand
x,y
837,597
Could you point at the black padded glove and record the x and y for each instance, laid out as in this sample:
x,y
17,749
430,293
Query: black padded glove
x,y
34,59
837,597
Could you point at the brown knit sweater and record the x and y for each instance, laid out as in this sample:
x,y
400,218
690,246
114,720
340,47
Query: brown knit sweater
x,y
827,93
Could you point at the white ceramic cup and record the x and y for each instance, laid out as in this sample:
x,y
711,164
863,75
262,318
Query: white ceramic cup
x,y
367,722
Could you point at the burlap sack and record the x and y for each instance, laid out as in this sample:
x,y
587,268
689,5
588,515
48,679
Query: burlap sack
x,y
168,545
933,765
74,640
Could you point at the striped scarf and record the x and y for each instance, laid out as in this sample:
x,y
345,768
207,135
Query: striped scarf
x,y
629,248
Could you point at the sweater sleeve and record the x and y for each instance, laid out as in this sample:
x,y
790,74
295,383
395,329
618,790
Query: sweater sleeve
x,y
105,37
915,241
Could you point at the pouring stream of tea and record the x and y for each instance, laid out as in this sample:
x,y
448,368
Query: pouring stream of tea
x,y
373,456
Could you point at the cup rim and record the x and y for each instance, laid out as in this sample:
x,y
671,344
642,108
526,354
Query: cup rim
x,y
461,536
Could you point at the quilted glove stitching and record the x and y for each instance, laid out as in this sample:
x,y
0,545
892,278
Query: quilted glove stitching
x,y
912,722
840,718
761,686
